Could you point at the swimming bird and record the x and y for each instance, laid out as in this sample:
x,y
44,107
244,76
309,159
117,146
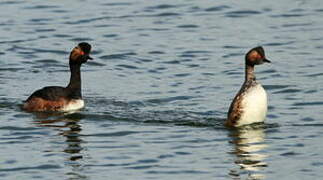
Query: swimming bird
x,y
250,104
55,98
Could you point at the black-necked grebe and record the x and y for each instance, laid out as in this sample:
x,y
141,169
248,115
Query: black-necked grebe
x,y
250,104
55,98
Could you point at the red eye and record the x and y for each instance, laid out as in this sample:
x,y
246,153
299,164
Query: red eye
x,y
82,53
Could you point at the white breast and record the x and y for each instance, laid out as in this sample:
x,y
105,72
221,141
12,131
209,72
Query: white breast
x,y
74,105
254,106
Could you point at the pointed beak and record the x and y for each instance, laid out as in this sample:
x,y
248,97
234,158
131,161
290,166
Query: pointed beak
x,y
89,57
266,60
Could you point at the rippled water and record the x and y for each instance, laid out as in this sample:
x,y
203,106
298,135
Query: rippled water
x,y
159,88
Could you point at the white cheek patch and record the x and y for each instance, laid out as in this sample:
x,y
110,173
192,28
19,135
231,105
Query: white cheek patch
x,y
74,105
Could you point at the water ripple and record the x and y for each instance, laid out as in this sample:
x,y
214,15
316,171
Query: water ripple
x,y
315,75
166,14
10,2
41,167
117,56
168,99
15,128
163,6
289,15
288,91
217,8
121,133
127,66
241,13
186,26
117,4
315,103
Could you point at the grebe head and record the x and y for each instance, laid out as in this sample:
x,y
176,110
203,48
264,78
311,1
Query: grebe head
x,y
256,56
81,53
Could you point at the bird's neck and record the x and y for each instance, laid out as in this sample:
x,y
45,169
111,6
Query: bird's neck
x,y
75,81
250,73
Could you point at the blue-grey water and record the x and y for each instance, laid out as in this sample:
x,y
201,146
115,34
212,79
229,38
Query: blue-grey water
x,y
159,88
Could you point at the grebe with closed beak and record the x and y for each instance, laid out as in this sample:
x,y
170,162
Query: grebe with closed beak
x,y
250,104
55,98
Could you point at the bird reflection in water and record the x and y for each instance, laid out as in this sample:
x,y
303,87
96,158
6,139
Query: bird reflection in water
x,y
69,127
248,148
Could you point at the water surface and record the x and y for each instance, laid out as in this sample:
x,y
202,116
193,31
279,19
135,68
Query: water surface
x,y
159,88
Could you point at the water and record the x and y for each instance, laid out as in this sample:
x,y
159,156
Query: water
x,y
159,88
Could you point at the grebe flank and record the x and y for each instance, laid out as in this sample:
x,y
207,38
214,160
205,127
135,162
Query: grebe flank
x,y
250,104
55,98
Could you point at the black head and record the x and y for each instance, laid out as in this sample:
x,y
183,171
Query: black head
x,y
256,56
81,53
